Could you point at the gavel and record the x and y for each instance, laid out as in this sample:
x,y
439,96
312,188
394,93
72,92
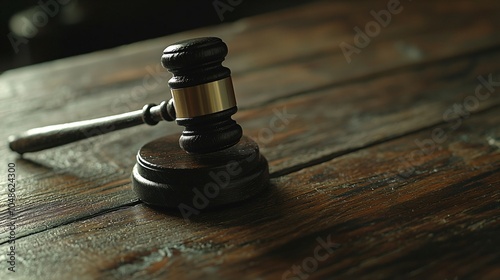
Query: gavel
x,y
210,164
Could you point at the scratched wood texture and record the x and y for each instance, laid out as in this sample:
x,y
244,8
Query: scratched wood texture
x,y
345,156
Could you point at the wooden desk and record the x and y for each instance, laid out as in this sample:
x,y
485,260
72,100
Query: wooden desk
x,y
384,167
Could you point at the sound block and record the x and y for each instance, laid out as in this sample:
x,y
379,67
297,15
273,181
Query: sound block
x,y
167,176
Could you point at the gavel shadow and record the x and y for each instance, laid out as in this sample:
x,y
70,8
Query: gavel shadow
x,y
266,206
263,207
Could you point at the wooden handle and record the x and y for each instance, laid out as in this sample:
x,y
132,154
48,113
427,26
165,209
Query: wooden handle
x,y
42,138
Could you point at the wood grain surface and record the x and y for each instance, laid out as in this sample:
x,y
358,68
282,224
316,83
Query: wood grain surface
x,y
386,167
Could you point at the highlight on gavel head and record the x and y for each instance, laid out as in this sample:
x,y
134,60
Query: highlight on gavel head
x,y
203,94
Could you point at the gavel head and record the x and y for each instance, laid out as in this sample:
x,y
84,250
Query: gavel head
x,y
203,94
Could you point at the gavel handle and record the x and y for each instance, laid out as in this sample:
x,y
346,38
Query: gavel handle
x,y
42,138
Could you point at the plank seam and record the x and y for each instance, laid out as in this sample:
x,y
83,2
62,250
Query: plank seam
x,y
80,219
298,167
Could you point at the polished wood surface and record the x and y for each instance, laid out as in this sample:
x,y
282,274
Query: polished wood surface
x,y
389,163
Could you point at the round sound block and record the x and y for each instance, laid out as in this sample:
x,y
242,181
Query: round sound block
x,y
167,176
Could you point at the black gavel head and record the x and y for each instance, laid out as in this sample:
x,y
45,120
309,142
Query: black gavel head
x,y
203,94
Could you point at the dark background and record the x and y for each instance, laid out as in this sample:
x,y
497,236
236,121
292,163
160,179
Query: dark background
x,y
74,27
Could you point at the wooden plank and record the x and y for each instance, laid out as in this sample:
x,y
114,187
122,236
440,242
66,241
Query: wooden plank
x,y
410,38
335,120
26,91
67,184
83,179
440,222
